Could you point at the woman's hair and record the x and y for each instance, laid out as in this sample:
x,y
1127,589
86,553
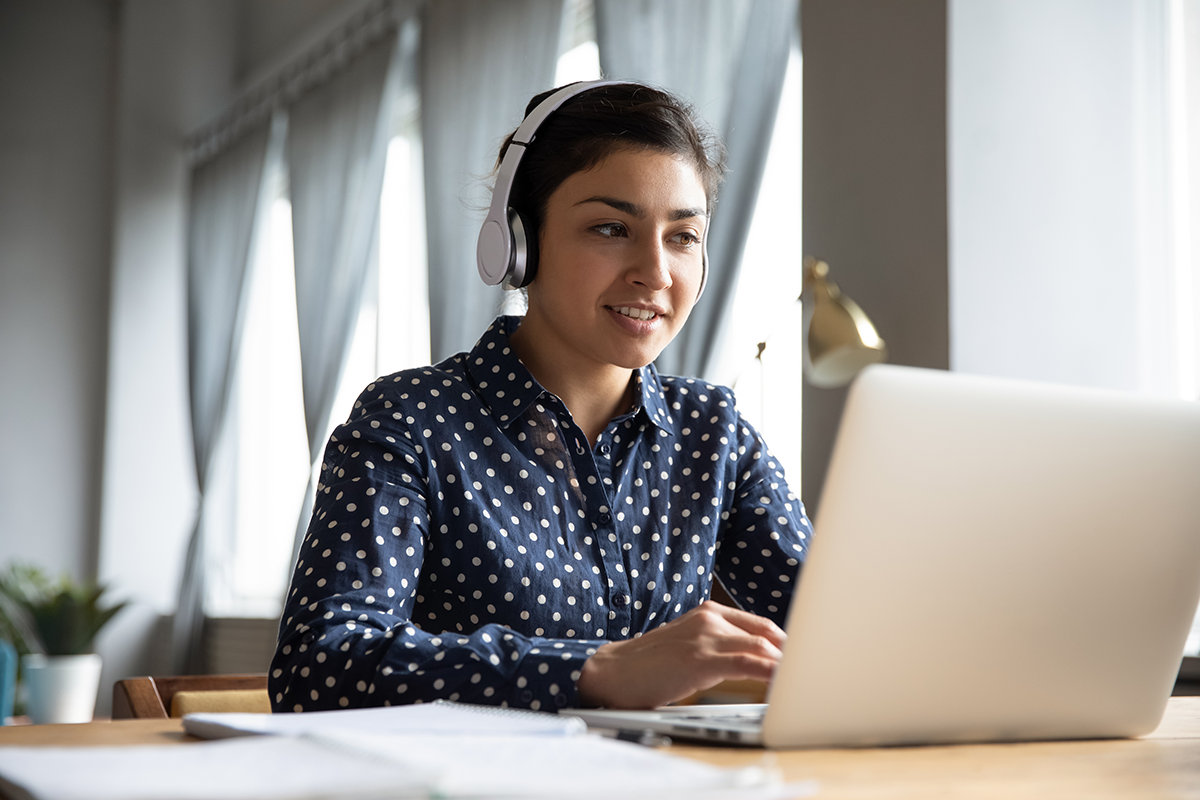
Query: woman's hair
x,y
594,124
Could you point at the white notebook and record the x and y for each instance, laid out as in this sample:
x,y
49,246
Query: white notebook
x,y
440,718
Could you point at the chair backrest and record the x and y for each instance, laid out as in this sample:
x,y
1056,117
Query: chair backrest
x,y
175,695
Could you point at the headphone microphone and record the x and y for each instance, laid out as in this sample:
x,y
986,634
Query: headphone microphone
x,y
507,248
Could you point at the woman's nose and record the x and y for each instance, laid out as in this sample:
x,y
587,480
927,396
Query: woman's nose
x,y
651,268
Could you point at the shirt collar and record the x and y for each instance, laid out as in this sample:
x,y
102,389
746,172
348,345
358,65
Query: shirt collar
x,y
503,382
508,387
649,392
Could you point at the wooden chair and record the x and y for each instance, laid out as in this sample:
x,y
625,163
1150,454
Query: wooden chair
x,y
153,697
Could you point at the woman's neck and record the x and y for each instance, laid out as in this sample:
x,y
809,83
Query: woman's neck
x,y
593,393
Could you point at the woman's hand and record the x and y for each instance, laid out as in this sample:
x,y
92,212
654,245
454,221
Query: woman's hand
x,y
705,646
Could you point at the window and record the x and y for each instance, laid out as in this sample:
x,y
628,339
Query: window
x,y
250,564
765,307
393,325
580,60
249,560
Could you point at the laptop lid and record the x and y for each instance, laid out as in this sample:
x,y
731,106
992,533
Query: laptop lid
x,y
994,560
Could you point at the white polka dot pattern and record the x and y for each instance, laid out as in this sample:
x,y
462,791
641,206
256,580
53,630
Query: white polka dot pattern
x,y
466,542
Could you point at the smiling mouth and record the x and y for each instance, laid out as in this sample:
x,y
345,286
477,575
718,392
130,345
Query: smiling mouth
x,y
635,313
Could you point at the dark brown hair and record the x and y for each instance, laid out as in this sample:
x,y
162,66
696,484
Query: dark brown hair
x,y
591,126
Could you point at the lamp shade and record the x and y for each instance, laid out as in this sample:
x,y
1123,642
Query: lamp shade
x,y
839,339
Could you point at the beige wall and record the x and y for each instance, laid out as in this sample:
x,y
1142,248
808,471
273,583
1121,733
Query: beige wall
x,y
56,138
875,182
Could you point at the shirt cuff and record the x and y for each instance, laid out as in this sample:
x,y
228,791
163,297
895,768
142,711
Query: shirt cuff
x,y
548,673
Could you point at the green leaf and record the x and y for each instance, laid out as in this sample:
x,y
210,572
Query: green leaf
x,y
57,619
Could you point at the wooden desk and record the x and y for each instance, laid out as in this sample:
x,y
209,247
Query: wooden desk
x,y
1165,764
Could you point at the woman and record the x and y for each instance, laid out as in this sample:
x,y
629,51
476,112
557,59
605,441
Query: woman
x,y
537,522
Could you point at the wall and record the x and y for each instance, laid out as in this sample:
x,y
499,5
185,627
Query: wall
x,y
56,138
175,70
875,183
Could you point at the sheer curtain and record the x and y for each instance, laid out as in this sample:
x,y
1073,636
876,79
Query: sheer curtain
x,y
1071,257
481,62
336,150
227,202
730,58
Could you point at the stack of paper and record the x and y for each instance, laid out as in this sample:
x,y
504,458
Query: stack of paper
x,y
440,718
437,750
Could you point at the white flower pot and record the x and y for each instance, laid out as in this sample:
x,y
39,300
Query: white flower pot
x,y
60,688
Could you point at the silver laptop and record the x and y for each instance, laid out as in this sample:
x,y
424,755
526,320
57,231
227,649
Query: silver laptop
x,y
994,561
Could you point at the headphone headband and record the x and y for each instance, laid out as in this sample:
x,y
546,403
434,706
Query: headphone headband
x,y
505,252
502,250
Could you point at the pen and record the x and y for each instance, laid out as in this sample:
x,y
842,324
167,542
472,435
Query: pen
x,y
645,736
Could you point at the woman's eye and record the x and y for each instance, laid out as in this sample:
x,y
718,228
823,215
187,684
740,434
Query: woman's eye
x,y
611,229
686,238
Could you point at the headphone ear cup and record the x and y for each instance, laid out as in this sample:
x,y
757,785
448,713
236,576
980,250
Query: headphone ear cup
x,y
525,250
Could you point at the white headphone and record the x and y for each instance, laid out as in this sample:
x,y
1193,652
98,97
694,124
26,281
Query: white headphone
x,y
507,248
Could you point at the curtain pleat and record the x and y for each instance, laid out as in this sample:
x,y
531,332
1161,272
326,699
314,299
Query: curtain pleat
x,y
336,151
482,61
729,57
226,203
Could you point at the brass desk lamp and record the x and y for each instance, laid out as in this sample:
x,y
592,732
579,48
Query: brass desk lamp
x,y
839,339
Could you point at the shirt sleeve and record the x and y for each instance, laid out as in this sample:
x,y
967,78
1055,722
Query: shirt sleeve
x,y
346,638
765,533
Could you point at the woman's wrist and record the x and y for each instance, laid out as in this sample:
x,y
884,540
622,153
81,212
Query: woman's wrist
x,y
590,688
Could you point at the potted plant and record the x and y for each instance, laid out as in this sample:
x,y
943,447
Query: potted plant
x,y
55,625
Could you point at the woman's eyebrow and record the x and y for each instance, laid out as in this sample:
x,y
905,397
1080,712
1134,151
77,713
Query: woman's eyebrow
x,y
687,213
634,210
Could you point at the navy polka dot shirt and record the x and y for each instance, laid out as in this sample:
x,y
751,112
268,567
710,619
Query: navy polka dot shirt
x,y
467,543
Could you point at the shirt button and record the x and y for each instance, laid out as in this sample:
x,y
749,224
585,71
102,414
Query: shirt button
x,y
309,637
604,518
605,449
526,696
620,600
560,700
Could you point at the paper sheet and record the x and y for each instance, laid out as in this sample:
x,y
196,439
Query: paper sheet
x,y
585,767
428,719
344,765
261,768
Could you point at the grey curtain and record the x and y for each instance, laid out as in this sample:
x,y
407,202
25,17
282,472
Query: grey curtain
x,y
227,201
482,61
729,57
336,150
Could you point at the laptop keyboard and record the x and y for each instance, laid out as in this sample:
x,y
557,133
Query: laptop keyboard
x,y
754,717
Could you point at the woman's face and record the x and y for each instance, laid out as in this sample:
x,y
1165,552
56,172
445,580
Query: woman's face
x,y
621,259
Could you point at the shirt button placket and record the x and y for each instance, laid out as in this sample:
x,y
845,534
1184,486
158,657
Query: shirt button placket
x,y
617,612
609,552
